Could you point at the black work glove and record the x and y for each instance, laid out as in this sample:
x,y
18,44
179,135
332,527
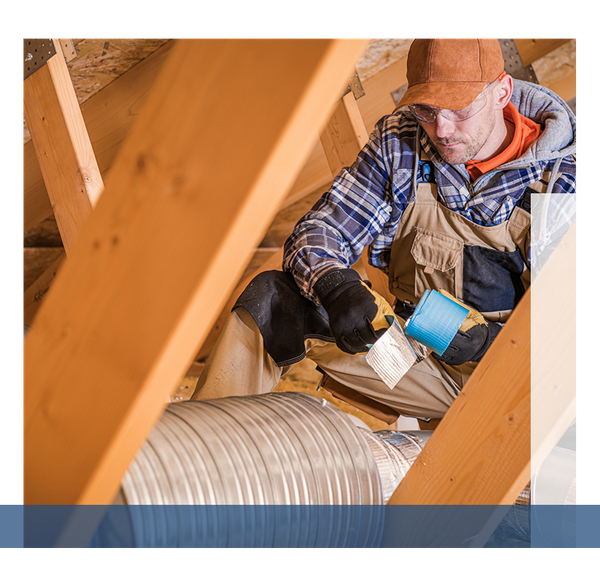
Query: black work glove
x,y
473,338
358,316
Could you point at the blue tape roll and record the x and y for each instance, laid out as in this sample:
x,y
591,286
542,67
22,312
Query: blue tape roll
x,y
435,321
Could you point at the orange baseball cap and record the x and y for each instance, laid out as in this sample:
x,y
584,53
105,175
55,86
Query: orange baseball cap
x,y
450,73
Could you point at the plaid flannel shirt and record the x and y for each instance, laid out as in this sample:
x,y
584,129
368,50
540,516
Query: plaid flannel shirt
x,y
365,203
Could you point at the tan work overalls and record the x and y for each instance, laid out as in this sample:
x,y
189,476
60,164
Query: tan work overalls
x,y
426,254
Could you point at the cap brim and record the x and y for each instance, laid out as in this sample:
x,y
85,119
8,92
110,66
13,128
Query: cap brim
x,y
450,95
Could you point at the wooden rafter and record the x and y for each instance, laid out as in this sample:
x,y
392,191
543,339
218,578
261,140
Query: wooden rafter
x,y
480,452
66,159
531,50
62,145
109,116
344,135
483,451
163,249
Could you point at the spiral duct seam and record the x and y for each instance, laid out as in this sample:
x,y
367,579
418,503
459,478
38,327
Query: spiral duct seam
x,y
283,449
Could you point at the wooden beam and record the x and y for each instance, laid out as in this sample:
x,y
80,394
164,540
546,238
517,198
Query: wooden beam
x,y
164,247
566,87
486,446
345,134
109,116
531,50
62,146
478,456
480,452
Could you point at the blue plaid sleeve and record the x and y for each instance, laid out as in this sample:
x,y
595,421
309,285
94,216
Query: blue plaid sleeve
x,y
348,217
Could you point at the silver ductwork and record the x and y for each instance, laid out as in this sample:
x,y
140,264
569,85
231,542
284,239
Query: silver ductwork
x,y
394,454
211,472
277,449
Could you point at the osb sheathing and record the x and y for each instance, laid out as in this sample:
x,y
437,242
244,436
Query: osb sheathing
x,y
101,61
556,65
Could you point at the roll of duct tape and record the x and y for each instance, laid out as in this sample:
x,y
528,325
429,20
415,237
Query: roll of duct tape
x,y
435,321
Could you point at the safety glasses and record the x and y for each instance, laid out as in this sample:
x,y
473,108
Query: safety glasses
x,y
430,113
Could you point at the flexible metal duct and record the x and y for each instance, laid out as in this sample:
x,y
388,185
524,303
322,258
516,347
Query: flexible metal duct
x,y
279,449
287,470
394,454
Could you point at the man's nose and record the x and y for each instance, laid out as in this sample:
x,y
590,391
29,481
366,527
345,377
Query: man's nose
x,y
443,126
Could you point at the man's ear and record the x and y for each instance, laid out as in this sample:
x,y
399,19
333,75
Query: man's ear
x,y
503,92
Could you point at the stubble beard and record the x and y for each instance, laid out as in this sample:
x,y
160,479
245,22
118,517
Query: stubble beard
x,y
472,145
464,152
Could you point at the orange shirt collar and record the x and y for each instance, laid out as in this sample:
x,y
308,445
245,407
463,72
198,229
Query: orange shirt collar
x,y
526,133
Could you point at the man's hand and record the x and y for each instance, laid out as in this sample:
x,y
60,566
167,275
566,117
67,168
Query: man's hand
x,y
473,338
358,316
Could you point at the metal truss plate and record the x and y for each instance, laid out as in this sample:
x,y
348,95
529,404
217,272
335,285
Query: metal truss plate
x,y
68,49
513,64
355,87
36,53
399,93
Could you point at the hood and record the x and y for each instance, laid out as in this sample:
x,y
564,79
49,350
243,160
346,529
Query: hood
x,y
554,115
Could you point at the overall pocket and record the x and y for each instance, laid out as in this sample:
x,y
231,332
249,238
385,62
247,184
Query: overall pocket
x,y
438,262
493,280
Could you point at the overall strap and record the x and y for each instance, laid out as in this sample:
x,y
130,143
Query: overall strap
x,y
425,171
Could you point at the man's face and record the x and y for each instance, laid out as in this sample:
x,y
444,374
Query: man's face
x,y
460,141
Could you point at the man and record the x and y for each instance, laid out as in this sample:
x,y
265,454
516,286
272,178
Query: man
x,y
441,197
